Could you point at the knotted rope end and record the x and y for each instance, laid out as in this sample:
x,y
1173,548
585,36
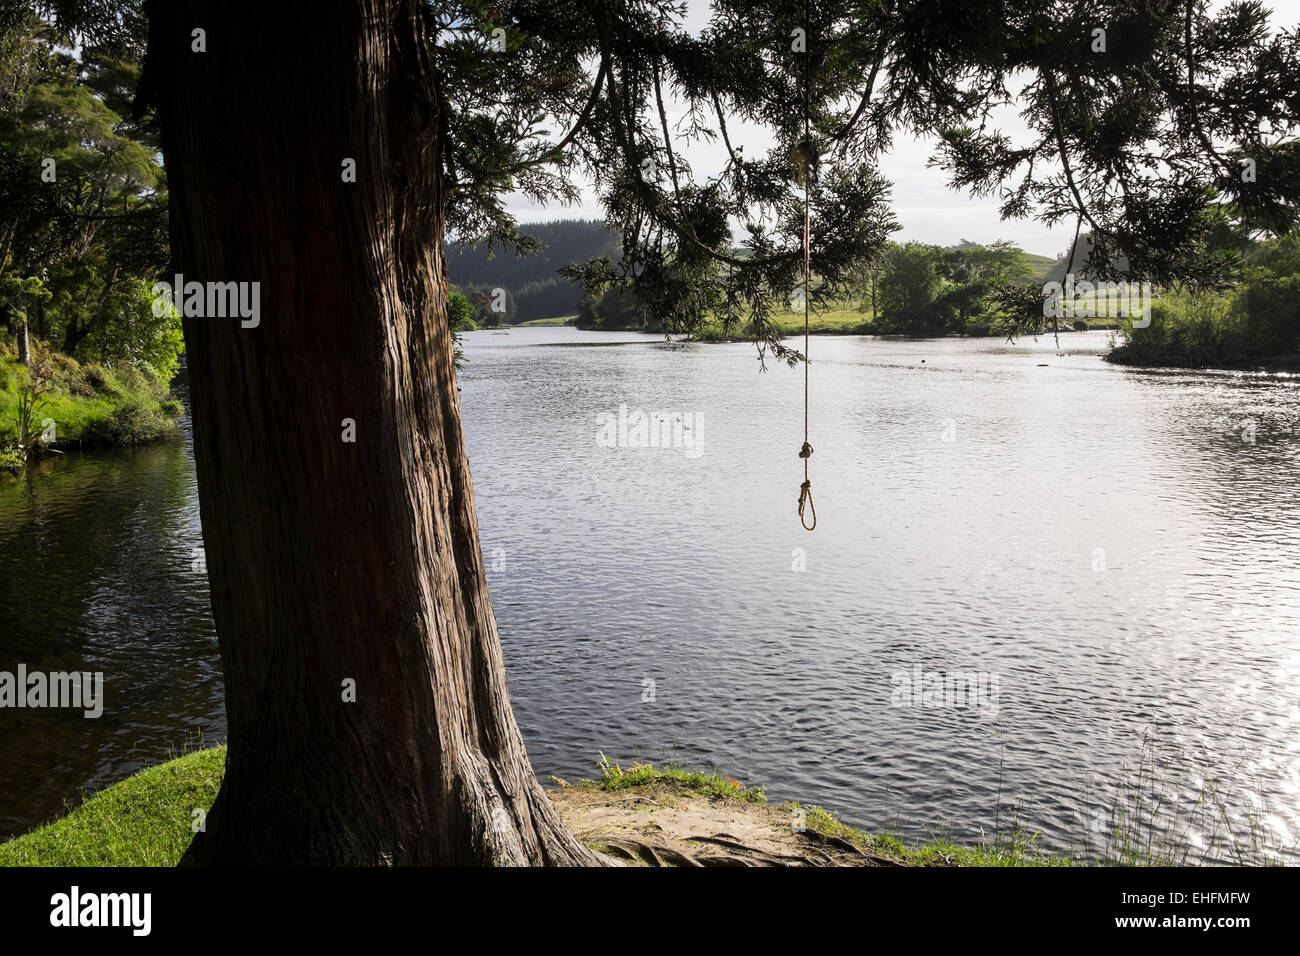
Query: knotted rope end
x,y
806,501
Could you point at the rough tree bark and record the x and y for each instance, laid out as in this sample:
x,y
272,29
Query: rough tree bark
x,y
331,560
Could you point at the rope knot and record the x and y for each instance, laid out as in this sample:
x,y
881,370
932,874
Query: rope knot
x,y
806,452
805,500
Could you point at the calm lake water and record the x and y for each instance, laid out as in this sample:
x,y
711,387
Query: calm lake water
x,y
1112,557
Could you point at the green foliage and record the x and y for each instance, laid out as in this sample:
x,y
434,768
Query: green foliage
x,y
88,404
909,291
11,459
967,289
83,204
1267,304
929,290
18,292
23,433
617,308
1258,322
482,306
459,313
133,422
130,330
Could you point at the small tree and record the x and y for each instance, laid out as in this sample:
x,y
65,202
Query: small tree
x,y
460,316
909,290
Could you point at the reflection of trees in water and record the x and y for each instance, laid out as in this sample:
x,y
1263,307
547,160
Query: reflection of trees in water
x,y
98,550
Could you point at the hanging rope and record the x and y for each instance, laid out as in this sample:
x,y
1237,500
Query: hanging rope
x,y
806,161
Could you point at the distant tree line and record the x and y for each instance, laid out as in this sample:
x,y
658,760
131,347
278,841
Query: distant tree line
x,y
532,286
922,289
615,309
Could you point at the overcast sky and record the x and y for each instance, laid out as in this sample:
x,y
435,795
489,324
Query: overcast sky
x,y
927,209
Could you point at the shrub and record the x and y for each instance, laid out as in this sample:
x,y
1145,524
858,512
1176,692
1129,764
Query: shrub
x,y
97,378
131,423
459,312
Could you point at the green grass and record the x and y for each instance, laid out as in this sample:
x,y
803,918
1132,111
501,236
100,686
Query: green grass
x,y
1042,265
839,321
614,777
1015,848
143,821
843,320
89,404
554,320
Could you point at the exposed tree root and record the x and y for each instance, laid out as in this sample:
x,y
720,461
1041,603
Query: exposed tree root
x,y
663,824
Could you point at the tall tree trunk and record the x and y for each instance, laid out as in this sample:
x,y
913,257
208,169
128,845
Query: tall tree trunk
x,y
334,561
24,342
73,336
42,323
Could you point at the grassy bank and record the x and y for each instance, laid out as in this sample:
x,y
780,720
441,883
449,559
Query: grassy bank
x,y
1209,331
554,320
1163,814
1253,325
146,819
143,821
851,321
88,405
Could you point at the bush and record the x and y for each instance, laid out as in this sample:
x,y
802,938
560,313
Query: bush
x,y
97,378
1185,332
80,387
459,312
131,423
1269,311
1258,321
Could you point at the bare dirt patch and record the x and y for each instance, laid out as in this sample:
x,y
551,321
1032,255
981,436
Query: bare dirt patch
x,y
664,824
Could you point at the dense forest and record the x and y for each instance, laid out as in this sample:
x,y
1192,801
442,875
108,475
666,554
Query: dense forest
x,y
88,355
531,283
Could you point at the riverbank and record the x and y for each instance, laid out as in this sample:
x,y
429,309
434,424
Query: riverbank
x,y
1182,360
641,816
556,320
853,321
1200,342
1250,328
76,405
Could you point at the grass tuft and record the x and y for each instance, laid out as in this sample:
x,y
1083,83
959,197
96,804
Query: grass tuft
x,y
614,777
